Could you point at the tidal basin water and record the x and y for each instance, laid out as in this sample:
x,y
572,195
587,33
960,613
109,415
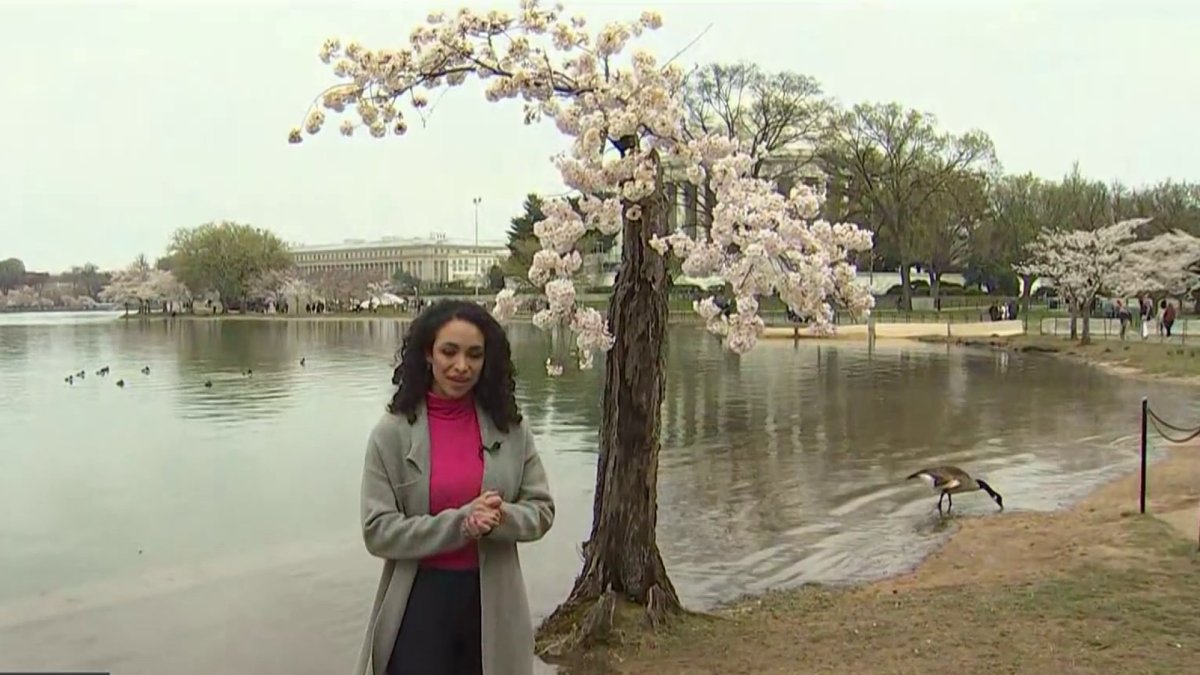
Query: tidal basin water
x,y
171,527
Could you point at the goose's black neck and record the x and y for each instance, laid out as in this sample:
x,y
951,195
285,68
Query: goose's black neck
x,y
986,488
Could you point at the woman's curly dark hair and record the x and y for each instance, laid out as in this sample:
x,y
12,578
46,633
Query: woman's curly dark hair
x,y
496,389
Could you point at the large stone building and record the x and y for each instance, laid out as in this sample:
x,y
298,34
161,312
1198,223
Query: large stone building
x,y
435,260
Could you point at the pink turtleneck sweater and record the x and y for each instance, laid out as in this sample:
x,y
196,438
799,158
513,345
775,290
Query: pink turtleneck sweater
x,y
455,469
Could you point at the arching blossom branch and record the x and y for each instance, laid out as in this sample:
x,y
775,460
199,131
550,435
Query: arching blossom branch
x,y
625,119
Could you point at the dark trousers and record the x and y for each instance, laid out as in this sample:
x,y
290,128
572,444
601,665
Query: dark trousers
x,y
441,632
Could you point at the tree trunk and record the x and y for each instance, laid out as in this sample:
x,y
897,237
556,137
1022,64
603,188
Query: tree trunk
x,y
1026,295
621,557
708,198
1074,319
935,284
1085,309
905,284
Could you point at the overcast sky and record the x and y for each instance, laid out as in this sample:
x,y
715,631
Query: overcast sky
x,y
122,122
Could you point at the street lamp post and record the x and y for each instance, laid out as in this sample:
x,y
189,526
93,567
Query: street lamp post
x,y
475,252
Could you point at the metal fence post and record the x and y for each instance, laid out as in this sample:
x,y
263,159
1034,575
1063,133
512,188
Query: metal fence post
x,y
1142,496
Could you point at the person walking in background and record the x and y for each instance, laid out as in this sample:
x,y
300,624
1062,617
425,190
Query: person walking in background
x,y
452,482
1146,314
1168,317
1124,316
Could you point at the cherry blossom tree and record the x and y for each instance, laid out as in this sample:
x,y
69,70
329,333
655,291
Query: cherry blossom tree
x,y
1165,265
280,287
19,298
1082,263
79,302
625,120
346,286
141,285
128,286
297,291
162,286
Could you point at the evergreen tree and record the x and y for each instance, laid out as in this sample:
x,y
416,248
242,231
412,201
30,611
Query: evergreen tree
x,y
522,242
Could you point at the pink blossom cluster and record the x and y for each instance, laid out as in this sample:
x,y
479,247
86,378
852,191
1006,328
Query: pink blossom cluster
x,y
506,304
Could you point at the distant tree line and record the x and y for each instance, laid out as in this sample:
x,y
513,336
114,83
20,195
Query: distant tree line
x,y
937,201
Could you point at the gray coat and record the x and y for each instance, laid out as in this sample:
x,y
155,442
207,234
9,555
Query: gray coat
x,y
398,528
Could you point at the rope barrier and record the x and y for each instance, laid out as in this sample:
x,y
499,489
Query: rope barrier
x,y
1160,425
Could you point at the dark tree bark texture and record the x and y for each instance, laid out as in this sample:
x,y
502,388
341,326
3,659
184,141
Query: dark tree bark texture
x,y
906,283
621,556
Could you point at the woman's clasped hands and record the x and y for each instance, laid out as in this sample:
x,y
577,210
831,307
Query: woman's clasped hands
x,y
485,514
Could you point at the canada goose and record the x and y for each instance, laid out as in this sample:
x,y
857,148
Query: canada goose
x,y
249,372
302,360
121,383
951,480
208,383
146,370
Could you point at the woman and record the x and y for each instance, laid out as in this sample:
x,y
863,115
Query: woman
x,y
451,483
1168,317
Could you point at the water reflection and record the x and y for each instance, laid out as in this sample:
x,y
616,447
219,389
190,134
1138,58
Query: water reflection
x,y
251,379
14,349
233,510
855,424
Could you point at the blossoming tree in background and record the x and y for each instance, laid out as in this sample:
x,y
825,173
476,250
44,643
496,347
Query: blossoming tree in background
x,y
298,292
1081,264
1165,265
280,286
19,298
141,285
625,119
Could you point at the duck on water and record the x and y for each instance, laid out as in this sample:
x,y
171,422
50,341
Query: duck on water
x,y
951,480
